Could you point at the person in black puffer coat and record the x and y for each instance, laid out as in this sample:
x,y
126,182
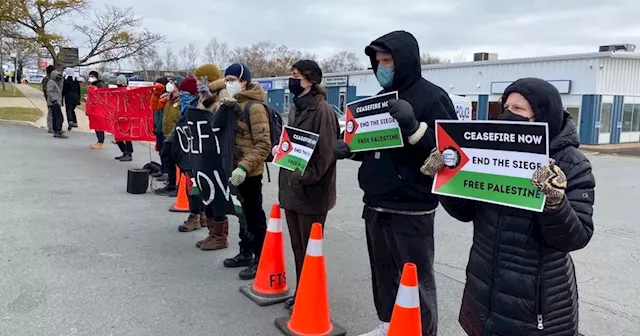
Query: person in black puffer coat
x,y
520,277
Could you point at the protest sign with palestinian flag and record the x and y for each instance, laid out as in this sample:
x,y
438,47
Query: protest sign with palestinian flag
x,y
492,161
369,126
295,149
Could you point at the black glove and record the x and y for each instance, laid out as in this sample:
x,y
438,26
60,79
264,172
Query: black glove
x,y
341,150
402,111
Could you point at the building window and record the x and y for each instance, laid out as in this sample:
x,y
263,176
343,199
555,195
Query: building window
x,y
605,117
635,121
627,117
575,114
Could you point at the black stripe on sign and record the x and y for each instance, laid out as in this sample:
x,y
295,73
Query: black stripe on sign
x,y
301,137
499,135
373,105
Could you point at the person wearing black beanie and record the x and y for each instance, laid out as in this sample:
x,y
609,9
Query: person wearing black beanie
x,y
308,198
527,267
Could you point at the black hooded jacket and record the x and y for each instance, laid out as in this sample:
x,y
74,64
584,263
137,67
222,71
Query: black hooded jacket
x,y
391,178
520,277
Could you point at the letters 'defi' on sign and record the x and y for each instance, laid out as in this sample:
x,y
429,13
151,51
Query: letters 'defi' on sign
x,y
369,126
492,161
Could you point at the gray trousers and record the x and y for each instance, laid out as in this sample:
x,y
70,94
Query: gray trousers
x,y
393,240
49,118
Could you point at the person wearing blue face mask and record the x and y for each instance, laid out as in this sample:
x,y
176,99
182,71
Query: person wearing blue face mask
x,y
399,210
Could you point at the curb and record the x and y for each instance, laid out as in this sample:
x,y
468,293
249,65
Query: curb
x,y
19,122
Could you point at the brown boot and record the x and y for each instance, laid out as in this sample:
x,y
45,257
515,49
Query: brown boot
x,y
208,224
219,231
192,223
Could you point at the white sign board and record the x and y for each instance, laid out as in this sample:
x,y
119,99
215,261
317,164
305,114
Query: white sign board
x,y
463,107
135,84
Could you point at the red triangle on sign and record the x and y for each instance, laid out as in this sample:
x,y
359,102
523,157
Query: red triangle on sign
x,y
445,143
283,139
351,126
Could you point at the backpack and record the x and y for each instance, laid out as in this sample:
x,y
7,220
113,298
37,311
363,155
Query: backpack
x,y
275,127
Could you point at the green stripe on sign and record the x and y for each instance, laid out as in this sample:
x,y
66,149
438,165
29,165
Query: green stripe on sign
x,y
499,189
293,162
377,139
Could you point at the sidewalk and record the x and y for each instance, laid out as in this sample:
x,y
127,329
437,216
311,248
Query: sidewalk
x,y
36,97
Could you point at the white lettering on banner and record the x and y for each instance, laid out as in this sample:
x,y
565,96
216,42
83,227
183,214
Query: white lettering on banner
x,y
503,137
371,107
201,136
183,130
304,139
212,189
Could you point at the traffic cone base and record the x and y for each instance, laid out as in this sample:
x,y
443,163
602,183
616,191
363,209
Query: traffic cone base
x,y
270,285
282,323
182,202
262,299
311,313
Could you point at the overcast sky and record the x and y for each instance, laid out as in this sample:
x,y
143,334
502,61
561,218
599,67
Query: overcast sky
x,y
447,29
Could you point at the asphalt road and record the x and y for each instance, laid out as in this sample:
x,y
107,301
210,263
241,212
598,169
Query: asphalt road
x,y
80,256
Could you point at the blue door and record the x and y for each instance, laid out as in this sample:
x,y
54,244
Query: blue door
x,y
275,99
333,95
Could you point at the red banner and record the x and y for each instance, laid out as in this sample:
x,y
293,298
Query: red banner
x,y
125,113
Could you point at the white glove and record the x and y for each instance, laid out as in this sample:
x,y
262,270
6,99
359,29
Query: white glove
x,y
274,150
237,176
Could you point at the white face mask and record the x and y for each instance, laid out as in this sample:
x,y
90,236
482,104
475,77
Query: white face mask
x,y
234,88
92,79
170,87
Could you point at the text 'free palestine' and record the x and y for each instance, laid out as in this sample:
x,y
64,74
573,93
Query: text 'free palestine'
x,y
503,189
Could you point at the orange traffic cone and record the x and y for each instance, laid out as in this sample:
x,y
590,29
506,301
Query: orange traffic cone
x,y
177,175
405,320
182,202
310,314
270,285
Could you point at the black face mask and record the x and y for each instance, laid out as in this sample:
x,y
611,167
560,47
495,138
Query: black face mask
x,y
510,116
295,87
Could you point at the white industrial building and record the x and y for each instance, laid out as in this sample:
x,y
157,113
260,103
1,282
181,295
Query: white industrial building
x,y
601,90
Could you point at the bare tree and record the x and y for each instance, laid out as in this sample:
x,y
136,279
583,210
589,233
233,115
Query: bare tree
x,y
190,56
170,60
342,62
113,34
155,61
266,59
426,59
217,53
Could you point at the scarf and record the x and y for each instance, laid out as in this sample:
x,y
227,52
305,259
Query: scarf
x,y
185,101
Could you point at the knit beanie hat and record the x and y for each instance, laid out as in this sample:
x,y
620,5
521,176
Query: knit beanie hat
x,y
210,71
177,79
310,70
239,70
162,80
123,79
190,85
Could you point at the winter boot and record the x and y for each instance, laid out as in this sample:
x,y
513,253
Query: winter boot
x,y
203,223
126,157
192,223
243,259
249,272
220,234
